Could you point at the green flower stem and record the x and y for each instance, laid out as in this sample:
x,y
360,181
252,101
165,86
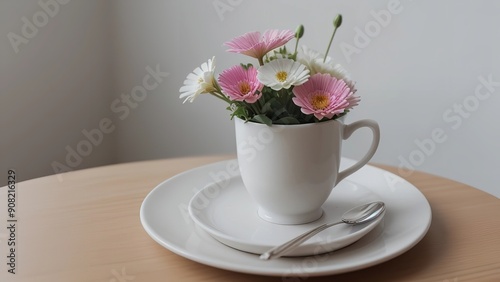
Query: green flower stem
x,y
329,44
295,52
218,92
299,32
283,93
222,97
336,24
216,86
261,61
254,108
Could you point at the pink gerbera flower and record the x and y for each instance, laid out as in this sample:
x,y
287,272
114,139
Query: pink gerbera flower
x,y
324,96
241,84
254,45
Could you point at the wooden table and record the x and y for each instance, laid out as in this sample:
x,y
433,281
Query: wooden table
x,y
85,226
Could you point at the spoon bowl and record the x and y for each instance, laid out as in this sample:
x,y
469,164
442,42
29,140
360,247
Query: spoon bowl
x,y
354,216
364,213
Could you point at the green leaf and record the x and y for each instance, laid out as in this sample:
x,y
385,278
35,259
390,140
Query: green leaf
x,y
287,120
308,118
267,107
263,119
240,112
279,111
271,106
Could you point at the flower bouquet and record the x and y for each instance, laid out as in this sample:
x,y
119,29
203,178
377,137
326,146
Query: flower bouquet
x,y
303,86
288,140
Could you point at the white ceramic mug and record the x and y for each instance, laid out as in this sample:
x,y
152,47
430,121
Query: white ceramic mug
x,y
290,170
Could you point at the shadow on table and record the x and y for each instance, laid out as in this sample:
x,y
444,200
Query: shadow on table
x,y
421,258
425,255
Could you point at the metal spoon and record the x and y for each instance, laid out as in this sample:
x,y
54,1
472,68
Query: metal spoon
x,y
357,215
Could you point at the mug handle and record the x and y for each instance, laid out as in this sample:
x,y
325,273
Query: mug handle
x,y
347,131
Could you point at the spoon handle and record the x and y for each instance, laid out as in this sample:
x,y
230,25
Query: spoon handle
x,y
280,250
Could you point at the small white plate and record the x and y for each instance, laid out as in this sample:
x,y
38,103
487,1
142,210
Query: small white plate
x,y
226,211
164,215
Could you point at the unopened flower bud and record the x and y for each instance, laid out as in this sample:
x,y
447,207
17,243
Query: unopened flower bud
x,y
299,32
338,21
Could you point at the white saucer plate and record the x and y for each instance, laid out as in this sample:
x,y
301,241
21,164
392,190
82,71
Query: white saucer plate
x,y
165,217
226,211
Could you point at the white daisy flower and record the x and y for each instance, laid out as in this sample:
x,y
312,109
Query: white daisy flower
x,y
313,60
200,81
282,73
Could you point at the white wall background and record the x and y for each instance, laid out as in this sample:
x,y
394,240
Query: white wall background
x,y
54,83
413,74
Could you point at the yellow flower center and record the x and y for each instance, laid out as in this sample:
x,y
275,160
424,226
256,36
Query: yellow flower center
x,y
320,101
244,87
200,80
281,76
